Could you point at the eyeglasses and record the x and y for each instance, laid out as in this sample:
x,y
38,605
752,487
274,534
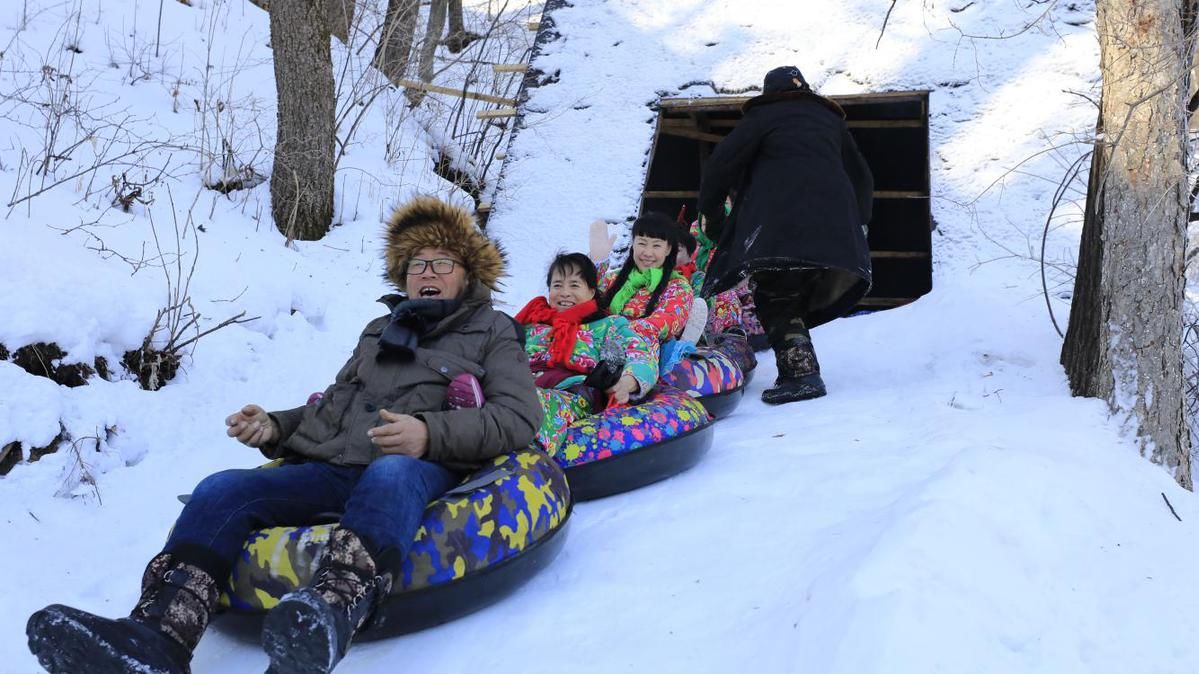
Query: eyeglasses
x,y
442,265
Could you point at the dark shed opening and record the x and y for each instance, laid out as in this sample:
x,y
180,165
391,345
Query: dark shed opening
x,y
891,130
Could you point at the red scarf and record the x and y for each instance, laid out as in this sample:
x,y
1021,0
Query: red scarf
x,y
564,330
686,269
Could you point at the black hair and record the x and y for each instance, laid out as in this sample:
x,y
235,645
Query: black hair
x,y
654,226
573,263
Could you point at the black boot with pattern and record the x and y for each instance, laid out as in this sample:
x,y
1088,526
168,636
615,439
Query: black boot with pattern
x,y
158,637
310,629
799,372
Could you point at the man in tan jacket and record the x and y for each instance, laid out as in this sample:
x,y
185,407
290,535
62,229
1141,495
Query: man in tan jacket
x,y
377,447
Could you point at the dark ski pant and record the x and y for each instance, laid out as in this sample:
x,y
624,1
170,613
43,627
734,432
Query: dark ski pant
x,y
383,503
781,300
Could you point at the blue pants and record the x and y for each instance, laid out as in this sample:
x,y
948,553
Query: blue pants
x,y
382,503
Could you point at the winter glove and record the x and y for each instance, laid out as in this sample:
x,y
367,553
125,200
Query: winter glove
x,y
605,375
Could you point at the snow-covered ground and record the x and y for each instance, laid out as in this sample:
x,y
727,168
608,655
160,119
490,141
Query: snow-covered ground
x,y
947,508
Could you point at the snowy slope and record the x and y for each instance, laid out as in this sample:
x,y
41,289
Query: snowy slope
x,y
947,508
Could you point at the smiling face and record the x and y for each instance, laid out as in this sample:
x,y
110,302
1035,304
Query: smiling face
x,y
649,253
428,283
568,289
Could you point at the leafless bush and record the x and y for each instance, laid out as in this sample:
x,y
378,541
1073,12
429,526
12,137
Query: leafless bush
x,y
80,129
467,137
176,325
231,141
82,451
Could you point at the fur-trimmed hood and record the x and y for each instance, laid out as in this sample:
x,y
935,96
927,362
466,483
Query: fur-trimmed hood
x,y
792,95
428,222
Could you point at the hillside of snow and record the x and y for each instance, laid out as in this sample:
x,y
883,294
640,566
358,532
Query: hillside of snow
x,y
947,508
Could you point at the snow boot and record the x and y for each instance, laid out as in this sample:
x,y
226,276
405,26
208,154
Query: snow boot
x,y
158,637
310,629
799,373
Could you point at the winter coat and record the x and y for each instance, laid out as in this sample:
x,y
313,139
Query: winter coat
x,y
477,340
597,340
670,314
803,192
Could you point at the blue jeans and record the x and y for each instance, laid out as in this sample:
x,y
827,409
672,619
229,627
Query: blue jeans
x,y
382,503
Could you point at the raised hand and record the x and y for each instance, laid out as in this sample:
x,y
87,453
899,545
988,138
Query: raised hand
x,y
600,241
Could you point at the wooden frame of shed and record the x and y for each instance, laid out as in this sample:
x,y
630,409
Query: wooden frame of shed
x,y
890,129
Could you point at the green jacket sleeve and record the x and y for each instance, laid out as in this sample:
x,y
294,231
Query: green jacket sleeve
x,y
641,357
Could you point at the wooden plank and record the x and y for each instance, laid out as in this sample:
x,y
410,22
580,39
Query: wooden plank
x,y
719,103
509,67
693,134
886,302
433,88
859,124
496,114
691,194
899,254
885,123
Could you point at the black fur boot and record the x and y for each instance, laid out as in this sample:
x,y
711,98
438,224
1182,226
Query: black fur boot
x,y
310,629
799,373
158,637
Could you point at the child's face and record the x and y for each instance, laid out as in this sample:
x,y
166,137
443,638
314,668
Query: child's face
x,y
649,253
683,258
568,290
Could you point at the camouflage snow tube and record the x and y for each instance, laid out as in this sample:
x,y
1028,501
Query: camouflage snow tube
x,y
623,448
476,543
710,376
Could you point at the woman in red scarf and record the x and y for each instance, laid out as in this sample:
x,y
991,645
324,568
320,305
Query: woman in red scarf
x,y
581,357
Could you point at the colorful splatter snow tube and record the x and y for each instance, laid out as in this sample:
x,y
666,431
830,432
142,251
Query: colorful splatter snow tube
x,y
624,448
476,544
711,377
737,348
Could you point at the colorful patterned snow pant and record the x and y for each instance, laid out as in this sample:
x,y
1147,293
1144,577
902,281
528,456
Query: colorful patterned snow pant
x,y
562,408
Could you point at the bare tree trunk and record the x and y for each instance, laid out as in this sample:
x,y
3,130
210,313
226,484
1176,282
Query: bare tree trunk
x,y
458,39
1081,350
302,179
1127,347
437,12
399,32
341,17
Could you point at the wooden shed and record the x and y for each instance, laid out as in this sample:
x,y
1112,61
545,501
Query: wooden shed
x,y
891,130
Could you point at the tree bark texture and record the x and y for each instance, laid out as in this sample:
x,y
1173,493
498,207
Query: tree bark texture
x,y
341,17
399,33
428,48
1127,346
302,178
458,38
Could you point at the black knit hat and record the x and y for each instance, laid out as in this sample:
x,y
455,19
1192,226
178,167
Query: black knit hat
x,y
782,79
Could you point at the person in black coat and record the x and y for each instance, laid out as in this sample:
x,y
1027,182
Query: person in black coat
x,y
803,194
